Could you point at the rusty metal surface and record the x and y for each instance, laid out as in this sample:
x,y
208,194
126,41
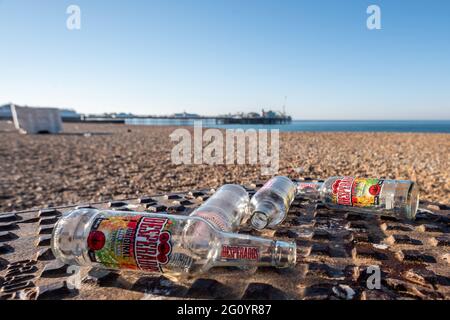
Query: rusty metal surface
x,y
334,251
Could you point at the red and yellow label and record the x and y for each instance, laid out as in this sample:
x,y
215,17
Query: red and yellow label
x,y
131,242
357,192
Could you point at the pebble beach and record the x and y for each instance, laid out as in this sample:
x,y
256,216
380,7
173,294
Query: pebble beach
x,y
98,162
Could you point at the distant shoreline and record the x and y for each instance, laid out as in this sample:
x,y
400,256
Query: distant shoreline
x,y
343,126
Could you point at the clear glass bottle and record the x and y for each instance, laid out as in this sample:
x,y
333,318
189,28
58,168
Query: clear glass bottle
x,y
269,206
227,208
398,198
159,243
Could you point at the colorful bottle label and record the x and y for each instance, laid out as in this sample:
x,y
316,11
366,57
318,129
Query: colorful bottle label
x,y
131,242
357,192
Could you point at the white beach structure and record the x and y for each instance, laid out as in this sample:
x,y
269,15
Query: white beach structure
x,y
36,120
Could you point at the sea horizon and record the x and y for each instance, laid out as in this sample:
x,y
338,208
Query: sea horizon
x,y
413,126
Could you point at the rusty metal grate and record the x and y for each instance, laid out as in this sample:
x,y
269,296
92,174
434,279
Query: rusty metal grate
x,y
335,249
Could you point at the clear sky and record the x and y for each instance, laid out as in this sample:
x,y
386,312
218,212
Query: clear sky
x,y
214,56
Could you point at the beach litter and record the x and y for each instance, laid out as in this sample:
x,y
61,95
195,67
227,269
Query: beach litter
x,y
327,257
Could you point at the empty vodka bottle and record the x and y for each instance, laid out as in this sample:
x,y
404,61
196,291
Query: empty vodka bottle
x,y
226,209
269,206
398,198
159,243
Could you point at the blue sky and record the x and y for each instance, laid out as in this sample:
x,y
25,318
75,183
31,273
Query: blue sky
x,y
211,57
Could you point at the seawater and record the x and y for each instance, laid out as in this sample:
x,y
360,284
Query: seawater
x,y
433,126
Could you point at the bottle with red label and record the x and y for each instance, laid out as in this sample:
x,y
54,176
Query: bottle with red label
x,y
226,209
160,243
398,198
269,206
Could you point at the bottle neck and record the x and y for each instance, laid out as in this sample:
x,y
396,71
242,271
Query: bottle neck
x,y
309,190
245,250
263,214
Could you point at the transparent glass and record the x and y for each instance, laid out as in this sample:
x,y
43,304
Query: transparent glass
x,y
309,189
227,208
160,243
269,206
399,198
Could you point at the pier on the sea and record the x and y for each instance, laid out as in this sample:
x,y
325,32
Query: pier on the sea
x,y
215,120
